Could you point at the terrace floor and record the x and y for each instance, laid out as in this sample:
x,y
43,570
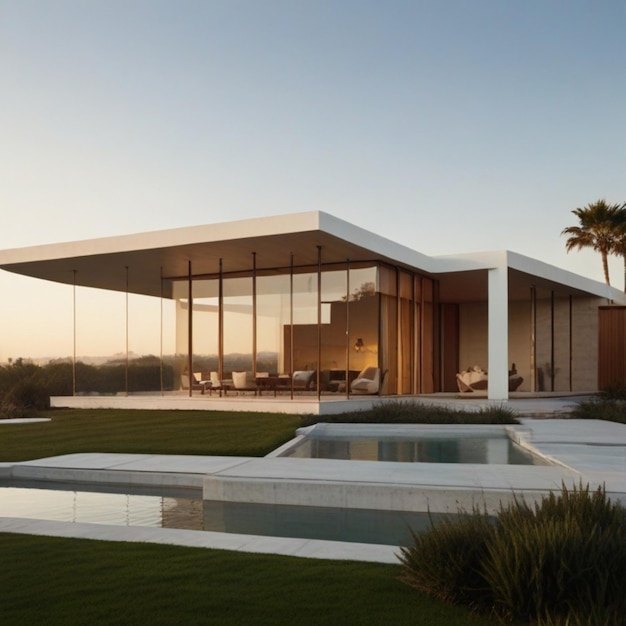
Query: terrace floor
x,y
522,403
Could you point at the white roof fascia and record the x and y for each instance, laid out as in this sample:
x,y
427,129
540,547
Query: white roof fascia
x,y
305,222
377,244
224,231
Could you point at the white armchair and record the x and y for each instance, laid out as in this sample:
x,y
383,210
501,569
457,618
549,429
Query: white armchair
x,y
367,382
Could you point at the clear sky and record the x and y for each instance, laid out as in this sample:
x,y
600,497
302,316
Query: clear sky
x,y
445,125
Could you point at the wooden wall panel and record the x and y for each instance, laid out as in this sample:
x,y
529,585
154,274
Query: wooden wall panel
x,y
612,346
450,346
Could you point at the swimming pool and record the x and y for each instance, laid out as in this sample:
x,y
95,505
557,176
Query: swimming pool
x,y
190,512
482,444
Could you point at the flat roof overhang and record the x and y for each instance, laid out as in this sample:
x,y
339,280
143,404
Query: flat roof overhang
x,y
103,263
137,263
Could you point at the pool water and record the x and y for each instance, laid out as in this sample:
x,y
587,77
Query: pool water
x,y
192,513
443,448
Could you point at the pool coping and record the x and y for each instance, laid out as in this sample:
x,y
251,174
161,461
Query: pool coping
x,y
588,452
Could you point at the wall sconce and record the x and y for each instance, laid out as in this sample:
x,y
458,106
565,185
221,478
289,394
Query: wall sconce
x,y
359,345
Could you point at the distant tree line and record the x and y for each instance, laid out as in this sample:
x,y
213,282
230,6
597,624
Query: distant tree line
x,y
26,387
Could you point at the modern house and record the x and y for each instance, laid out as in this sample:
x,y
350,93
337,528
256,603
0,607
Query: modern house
x,y
309,302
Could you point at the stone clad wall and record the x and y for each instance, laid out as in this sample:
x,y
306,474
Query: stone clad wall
x,y
473,341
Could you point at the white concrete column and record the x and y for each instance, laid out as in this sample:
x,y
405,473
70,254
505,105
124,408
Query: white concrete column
x,y
498,333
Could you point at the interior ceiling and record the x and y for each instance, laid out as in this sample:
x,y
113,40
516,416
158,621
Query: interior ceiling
x,y
472,286
145,267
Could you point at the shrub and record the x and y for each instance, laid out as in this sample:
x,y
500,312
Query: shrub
x,y
445,562
26,395
602,408
561,561
616,391
406,412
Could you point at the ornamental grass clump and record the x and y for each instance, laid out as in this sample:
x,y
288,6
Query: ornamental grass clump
x,y
407,412
606,408
445,562
562,560
559,561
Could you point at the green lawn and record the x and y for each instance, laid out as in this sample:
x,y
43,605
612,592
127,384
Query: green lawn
x,y
46,580
147,432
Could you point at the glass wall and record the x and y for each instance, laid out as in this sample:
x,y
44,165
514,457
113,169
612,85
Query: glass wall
x,y
232,329
238,326
273,314
124,356
334,339
363,319
302,340
328,326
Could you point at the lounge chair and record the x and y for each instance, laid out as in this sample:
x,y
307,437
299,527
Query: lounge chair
x,y
196,385
367,382
304,380
476,379
217,384
244,381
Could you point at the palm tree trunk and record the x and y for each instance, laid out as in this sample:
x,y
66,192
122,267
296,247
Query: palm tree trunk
x,y
605,267
624,256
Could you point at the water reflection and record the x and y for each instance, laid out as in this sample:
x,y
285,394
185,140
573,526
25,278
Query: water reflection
x,y
334,524
482,450
118,509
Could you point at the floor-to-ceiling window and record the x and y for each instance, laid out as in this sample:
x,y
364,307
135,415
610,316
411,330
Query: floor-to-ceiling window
x,y
332,320
273,313
335,354
364,316
238,325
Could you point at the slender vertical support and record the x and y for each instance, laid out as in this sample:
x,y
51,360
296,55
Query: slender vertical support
x,y
498,333
291,334
399,348
347,378
571,341
412,354
127,353
552,364
220,321
190,328
254,315
74,337
382,347
319,322
420,330
533,339
161,338
438,339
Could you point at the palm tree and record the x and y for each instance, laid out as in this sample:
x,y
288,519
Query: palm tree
x,y
598,230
